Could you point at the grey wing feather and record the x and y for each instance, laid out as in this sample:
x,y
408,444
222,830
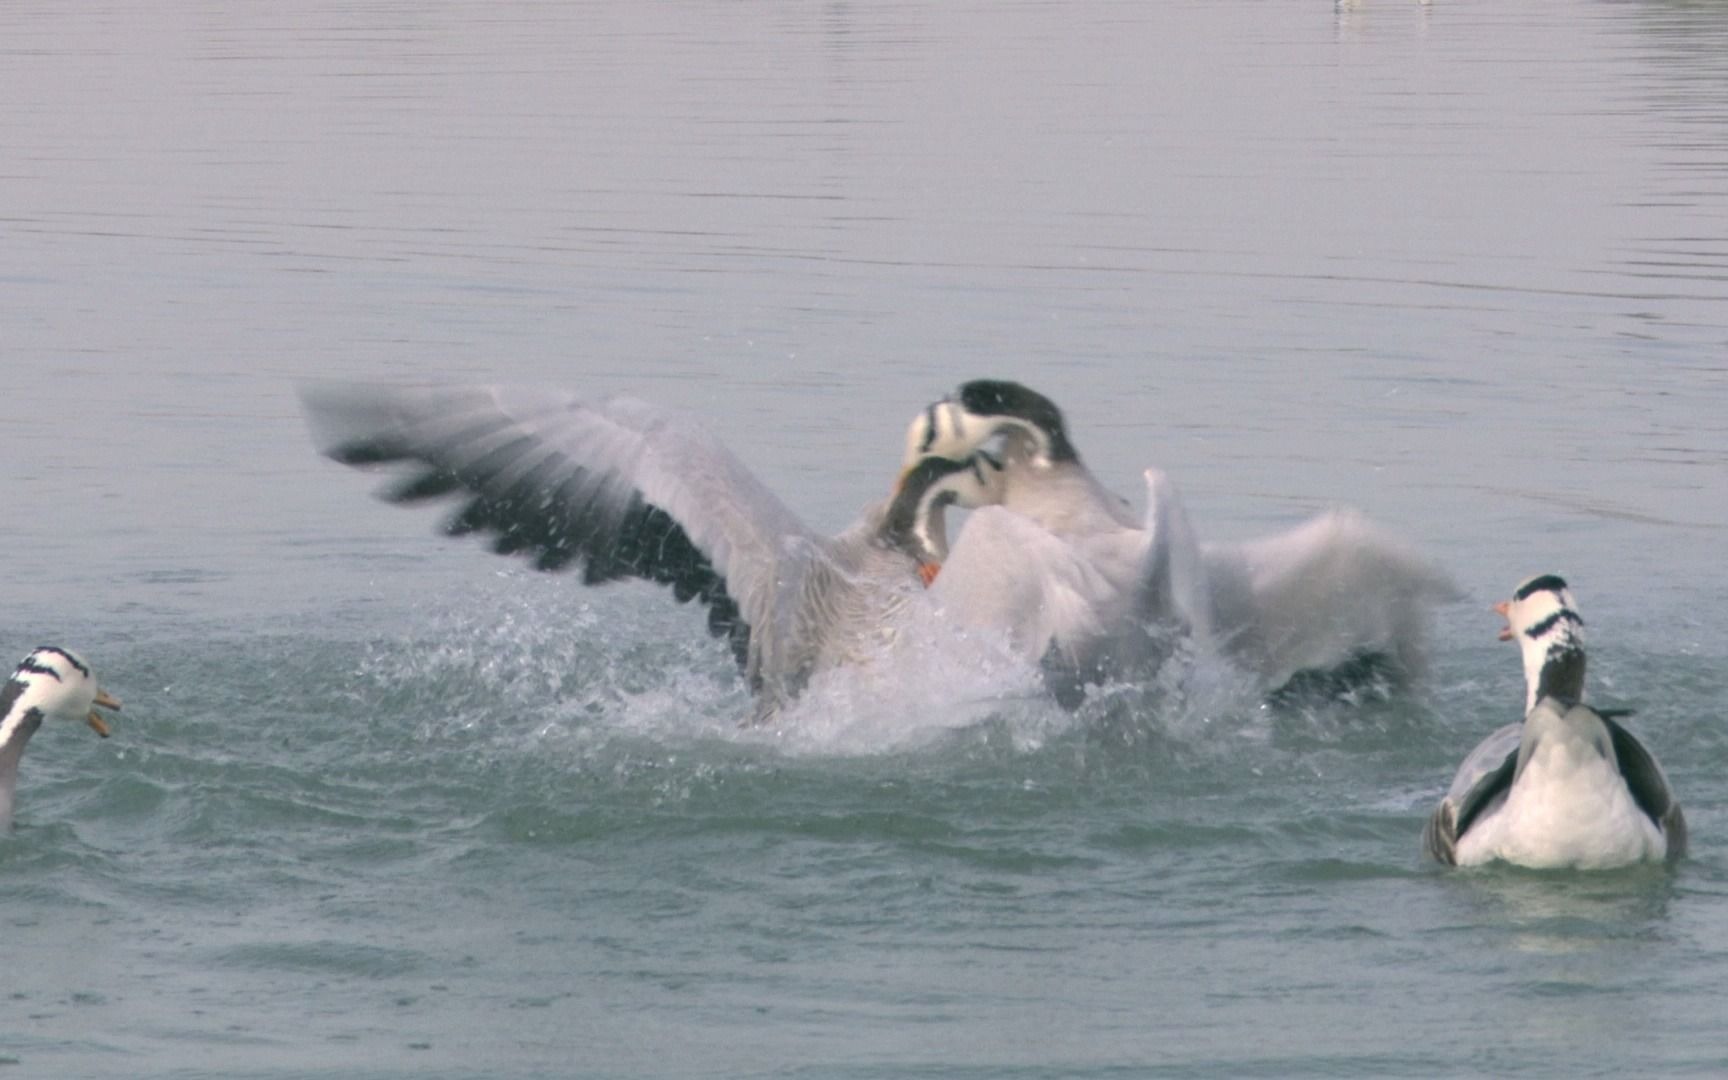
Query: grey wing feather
x,y
1173,585
1489,755
1440,835
1649,786
622,487
1008,572
1673,825
1314,596
1481,784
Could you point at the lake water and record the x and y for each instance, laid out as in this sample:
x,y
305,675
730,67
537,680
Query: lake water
x,y
383,805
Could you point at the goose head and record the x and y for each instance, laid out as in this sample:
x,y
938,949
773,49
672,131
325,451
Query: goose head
x,y
50,683
916,520
993,417
1544,620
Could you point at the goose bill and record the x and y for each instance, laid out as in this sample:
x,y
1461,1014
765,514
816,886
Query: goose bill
x,y
106,701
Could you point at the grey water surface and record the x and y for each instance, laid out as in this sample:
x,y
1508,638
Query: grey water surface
x,y
381,804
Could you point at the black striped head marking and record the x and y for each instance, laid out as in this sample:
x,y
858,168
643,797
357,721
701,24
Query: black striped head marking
x,y
41,662
1553,583
1011,402
51,681
929,438
1542,604
1544,619
1543,627
915,522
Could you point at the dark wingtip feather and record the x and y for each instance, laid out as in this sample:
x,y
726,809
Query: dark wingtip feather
x,y
377,451
431,484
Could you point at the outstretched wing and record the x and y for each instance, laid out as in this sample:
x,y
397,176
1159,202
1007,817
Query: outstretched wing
x,y
1329,590
617,486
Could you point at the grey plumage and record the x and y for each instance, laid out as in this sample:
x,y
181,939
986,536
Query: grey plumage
x,y
1320,598
621,488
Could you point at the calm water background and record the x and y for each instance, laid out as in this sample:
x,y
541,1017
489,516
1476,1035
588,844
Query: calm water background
x,y
382,805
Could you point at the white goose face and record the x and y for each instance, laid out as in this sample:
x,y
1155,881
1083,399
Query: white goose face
x,y
968,474
1016,418
944,430
1544,620
1541,611
52,683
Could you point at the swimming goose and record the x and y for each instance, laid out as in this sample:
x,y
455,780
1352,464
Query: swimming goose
x,y
630,490
50,683
1568,787
1323,596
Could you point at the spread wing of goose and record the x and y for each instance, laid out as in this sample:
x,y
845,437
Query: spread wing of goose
x,y
1008,573
50,683
1085,607
1567,787
626,489
1318,596
1329,592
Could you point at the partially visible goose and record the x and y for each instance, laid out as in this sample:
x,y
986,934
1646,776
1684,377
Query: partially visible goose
x,y
1088,607
50,683
1325,596
1568,787
626,489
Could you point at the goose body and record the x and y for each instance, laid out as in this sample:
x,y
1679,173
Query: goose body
x,y
50,684
624,489
1085,609
1316,597
1567,787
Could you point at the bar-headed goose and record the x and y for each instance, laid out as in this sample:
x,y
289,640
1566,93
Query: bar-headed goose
x,y
1567,787
625,489
50,683
1322,597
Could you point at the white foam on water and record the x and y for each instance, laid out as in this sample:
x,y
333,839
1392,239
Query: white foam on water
x,y
529,663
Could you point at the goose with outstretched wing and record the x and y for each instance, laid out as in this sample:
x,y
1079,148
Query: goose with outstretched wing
x,y
624,489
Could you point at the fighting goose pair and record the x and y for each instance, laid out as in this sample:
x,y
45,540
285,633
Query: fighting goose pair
x,y
1051,558
50,684
629,490
1330,597
1567,787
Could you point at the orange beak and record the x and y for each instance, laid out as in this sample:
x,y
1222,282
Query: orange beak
x,y
106,701
927,572
1501,609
